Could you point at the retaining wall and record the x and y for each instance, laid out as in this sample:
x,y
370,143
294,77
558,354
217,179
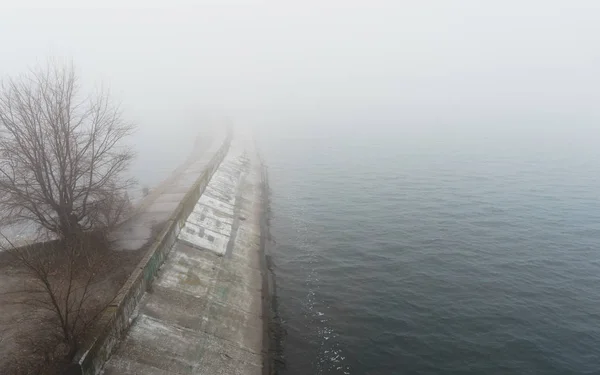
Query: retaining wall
x,y
116,319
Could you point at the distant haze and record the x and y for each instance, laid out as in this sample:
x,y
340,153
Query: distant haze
x,y
440,70
434,166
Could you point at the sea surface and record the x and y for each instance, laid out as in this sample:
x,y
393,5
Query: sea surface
x,y
396,255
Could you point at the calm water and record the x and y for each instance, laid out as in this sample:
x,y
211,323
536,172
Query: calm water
x,y
471,257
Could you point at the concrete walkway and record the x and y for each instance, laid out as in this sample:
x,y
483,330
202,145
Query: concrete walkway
x,y
203,315
156,208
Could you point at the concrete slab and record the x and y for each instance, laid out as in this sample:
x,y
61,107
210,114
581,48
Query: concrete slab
x,y
204,238
209,214
222,321
204,313
157,207
204,228
214,203
164,346
236,326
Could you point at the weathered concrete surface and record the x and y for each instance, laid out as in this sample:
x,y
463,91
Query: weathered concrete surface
x,y
210,225
116,319
156,208
203,314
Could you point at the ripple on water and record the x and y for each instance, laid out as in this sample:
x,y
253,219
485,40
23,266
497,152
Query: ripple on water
x,y
429,264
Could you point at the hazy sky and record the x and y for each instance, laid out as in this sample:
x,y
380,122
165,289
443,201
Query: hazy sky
x,y
403,65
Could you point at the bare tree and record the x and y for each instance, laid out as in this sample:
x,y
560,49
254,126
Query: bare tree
x,y
61,153
110,210
63,293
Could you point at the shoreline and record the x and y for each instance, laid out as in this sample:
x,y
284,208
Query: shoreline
x,y
208,310
273,333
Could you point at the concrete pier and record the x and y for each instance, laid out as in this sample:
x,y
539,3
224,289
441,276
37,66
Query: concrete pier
x,y
156,208
203,312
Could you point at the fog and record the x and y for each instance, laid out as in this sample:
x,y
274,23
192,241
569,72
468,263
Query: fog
x,y
439,70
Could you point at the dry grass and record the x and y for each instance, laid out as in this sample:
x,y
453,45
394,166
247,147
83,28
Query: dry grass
x,y
31,338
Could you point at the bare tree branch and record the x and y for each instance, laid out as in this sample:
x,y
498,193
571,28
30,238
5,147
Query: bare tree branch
x,y
61,290
61,154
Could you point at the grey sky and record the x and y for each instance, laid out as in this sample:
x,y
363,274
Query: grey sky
x,y
401,64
